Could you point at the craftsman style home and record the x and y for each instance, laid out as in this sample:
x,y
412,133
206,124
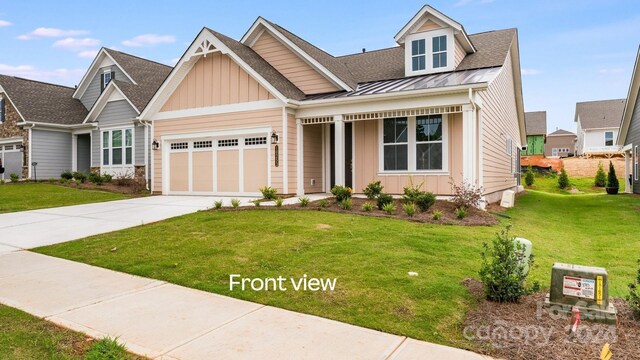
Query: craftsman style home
x,y
536,123
598,123
629,137
274,110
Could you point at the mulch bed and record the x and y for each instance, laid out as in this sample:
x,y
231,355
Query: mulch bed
x,y
127,189
526,331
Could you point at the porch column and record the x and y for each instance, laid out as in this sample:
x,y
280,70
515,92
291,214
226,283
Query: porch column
x,y
339,150
469,144
300,158
628,166
74,152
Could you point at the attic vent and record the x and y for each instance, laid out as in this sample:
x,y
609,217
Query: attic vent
x,y
205,48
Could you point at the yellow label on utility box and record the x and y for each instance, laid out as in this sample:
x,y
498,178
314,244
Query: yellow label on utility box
x,y
599,288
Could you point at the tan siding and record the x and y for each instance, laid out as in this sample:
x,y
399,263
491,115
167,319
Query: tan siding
x,y
292,152
313,158
229,121
427,26
459,54
499,117
291,65
367,144
215,80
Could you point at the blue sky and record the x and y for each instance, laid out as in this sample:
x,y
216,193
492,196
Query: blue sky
x,y
570,50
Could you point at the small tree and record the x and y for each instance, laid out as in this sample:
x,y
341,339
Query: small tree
x,y
563,179
612,179
601,176
529,177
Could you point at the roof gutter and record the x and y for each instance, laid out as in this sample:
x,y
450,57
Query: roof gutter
x,y
56,126
393,95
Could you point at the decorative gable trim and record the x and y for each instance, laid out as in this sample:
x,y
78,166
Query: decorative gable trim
x,y
260,25
93,70
630,105
203,44
111,93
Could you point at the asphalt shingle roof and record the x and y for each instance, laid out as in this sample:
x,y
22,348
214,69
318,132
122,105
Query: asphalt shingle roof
x,y
561,132
536,122
43,102
600,114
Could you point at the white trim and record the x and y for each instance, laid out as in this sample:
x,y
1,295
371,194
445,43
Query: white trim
x,y
60,127
93,70
29,150
74,152
219,109
10,140
220,133
114,168
300,158
339,166
326,133
428,38
285,152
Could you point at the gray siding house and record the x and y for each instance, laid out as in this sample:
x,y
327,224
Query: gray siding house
x,y
629,137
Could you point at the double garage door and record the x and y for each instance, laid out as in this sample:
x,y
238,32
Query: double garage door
x,y
225,166
11,156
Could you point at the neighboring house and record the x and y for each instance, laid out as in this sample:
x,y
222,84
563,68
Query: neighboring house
x,y
274,110
629,137
536,122
560,143
91,128
598,123
36,123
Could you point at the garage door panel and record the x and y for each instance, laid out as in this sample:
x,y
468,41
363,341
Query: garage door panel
x,y
228,171
11,160
202,178
255,169
179,171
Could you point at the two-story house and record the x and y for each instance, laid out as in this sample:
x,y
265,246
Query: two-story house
x,y
275,110
629,137
560,144
598,124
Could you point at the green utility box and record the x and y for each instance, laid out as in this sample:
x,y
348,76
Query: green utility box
x,y
585,287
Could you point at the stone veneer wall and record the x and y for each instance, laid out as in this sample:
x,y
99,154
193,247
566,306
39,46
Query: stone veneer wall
x,y
9,128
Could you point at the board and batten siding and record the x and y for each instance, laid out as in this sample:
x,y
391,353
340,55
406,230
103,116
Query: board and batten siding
x,y
633,138
294,68
459,53
93,90
312,135
499,116
215,80
52,151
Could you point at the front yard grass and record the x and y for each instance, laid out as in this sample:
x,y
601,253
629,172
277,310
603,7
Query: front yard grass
x,y
548,183
370,257
21,197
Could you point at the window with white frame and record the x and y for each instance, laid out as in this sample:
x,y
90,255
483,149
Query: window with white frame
x,y
106,79
396,143
418,55
439,48
117,147
608,138
429,142
415,144
636,163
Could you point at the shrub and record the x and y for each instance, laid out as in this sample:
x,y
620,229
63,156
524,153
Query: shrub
x,y
373,189
78,176
529,177
409,209
67,175
389,208
323,203
304,201
634,294
268,192
502,271
345,204
217,204
411,192
367,206
1,181
107,178
466,195
341,192
563,179
107,349
256,202
461,212
96,178
436,215
612,179
601,176
235,203
279,202
414,194
425,201
383,199
14,177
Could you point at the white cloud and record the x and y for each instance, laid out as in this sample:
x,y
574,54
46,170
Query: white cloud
x,y
611,71
531,72
43,32
75,44
89,54
149,40
4,23
62,76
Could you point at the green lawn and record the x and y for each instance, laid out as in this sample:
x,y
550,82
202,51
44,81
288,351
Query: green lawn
x,y
583,184
369,256
21,197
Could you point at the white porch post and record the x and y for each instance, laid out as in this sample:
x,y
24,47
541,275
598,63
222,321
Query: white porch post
x,y
469,144
339,150
628,166
300,158
74,152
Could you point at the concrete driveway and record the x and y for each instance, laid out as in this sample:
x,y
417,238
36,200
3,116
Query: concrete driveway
x,y
30,229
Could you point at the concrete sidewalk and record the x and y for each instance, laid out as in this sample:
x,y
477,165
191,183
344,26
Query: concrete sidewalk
x,y
166,321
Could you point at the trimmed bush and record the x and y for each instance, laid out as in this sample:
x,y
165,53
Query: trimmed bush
x,y
14,177
67,175
529,177
304,201
367,206
634,294
373,189
96,178
107,178
341,192
563,179
217,205
389,208
383,199
78,176
409,209
601,176
268,192
436,215
612,179
235,203
323,203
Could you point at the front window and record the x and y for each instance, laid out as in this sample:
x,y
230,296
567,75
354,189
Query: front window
x,y
1,110
106,79
439,51
117,147
608,138
429,142
418,55
395,142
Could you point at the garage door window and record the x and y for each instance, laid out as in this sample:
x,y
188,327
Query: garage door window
x,y
117,147
228,143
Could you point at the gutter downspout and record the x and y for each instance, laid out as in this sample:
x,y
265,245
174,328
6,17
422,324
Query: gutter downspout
x,y
30,160
147,126
478,153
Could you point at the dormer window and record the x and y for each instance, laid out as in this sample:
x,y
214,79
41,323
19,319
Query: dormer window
x,y
439,51
106,78
418,55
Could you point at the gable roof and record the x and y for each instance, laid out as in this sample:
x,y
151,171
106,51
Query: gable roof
x,y
43,102
561,132
600,114
536,122
632,101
